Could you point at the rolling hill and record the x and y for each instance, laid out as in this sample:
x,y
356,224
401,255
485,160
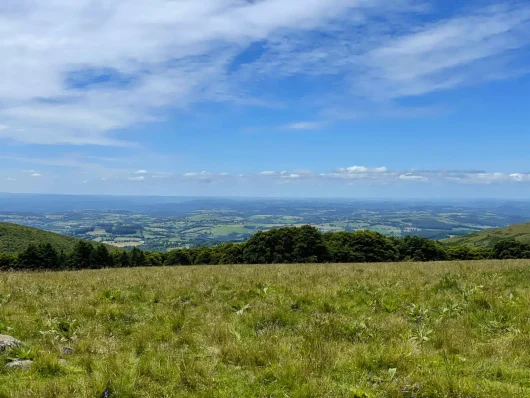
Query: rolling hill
x,y
488,238
15,238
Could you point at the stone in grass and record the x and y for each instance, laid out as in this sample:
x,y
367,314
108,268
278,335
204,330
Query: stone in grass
x,y
7,342
63,362
19,364
68,350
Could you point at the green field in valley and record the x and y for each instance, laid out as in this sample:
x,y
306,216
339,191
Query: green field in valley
x,y
455,329
161,230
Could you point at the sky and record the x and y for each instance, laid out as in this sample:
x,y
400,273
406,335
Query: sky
x,y
306,98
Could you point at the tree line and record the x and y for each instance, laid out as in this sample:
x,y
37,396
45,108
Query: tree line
x,y
278,246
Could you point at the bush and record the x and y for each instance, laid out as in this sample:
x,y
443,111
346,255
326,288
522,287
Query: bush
x,y
8,261
414,248
178,257
285,245
468,253
361,246
511,249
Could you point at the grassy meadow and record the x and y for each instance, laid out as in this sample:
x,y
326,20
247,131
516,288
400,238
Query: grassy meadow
x,y
488,238
459,329
15,238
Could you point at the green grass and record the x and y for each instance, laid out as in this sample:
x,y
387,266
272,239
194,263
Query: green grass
x,y
15,238
382,330
488,238
224,230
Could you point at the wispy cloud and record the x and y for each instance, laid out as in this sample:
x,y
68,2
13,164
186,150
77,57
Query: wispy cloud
x,y
80,72
398,55
448,54
348,180
303,126
114,64
364,174
413,177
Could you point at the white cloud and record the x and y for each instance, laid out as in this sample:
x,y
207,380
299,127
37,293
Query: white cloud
x,y
291,176
76,71
363,169
201,174
413,177
303,126
398,57
141,172
357,175
520,177
381,175
449,53
479,177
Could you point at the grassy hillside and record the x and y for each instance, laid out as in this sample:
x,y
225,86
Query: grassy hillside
x,y
15,238
488,238
332,330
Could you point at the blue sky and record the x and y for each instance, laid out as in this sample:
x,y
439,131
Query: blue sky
x,y
356,98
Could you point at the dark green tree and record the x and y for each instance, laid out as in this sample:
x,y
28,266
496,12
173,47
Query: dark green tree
x,y
124,260
29,258
136,258
414,248
8,261
229,253
102,258
49,258
82,256
204,257
511,249
468,253
153,259
360,246
308,245
178,257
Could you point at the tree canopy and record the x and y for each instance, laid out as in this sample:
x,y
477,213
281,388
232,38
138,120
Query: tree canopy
x,y
277,246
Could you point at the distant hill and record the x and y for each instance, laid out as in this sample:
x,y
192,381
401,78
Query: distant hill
x,y
15,238
488,238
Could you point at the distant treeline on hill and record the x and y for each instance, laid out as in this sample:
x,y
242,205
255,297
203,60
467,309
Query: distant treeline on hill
x,y
278,246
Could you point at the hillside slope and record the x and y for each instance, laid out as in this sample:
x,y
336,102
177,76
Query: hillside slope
x,y
488,238
15,238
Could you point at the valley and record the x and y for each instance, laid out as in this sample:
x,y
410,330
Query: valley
x,y
191,223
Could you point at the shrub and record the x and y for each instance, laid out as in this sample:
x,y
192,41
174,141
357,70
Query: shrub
x,y
8,261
